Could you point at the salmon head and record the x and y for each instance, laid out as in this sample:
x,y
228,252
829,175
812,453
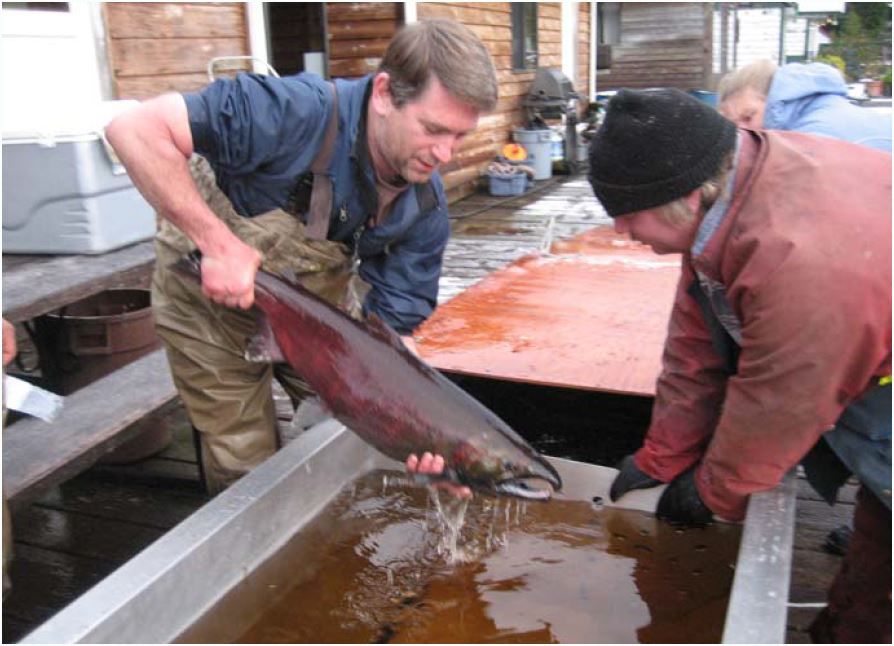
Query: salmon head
x,y
506,469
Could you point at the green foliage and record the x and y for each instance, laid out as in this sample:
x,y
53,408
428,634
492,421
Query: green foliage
x,y
833,60
860,39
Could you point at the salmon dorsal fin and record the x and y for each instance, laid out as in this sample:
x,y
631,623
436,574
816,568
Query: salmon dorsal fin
x,y
379,329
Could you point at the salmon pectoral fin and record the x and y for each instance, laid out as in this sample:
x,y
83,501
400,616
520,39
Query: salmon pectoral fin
x,y
262,347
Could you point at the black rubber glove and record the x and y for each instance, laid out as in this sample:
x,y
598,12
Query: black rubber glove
x,y
680,503
629,478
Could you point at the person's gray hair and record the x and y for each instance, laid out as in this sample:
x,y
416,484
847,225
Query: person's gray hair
x,y
757,75
449,51
679,213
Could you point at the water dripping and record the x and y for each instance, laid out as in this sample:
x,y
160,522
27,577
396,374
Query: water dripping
x,y
452,516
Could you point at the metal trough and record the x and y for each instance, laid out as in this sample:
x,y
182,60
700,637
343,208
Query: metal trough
x,y
163,593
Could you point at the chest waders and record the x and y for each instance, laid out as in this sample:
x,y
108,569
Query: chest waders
x,y
229,399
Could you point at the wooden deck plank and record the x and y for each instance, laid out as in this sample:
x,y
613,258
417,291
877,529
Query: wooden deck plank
x,y
104,539
93,421
114,498
45,283
44,581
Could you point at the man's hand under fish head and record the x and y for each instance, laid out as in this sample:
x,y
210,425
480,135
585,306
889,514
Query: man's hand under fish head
x,y
228,277
433,465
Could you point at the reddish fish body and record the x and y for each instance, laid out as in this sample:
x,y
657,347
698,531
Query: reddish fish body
x,y
393,400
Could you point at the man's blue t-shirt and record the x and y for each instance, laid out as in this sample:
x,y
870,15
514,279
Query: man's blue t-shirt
x,y
260,134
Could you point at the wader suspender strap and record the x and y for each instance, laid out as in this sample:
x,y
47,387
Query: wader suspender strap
x,y
321,194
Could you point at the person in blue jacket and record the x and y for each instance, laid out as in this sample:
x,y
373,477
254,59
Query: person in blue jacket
x,y
335,183
803,97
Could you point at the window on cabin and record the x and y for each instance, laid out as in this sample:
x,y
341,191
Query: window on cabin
x,y
608,23
524,35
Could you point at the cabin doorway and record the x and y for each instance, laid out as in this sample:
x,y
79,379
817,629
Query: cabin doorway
x,y
296,37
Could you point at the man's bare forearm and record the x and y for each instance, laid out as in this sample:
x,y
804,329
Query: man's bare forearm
x,y
154,143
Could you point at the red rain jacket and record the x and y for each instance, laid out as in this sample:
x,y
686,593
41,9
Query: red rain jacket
x,y
805,255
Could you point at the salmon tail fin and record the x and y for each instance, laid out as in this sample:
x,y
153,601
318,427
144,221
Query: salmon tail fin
x,y
262,346
189,266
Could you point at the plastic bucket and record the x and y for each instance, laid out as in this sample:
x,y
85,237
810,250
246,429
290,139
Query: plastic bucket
x,y
503,185
705,97
538,143
92,338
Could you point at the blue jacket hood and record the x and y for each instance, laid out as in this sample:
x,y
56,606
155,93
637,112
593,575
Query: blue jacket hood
x,y
812,98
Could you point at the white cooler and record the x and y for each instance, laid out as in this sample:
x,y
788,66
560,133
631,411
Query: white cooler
x,y
63,192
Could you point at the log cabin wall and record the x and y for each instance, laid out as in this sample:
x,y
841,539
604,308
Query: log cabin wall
x,y
492,23
582,82
359,33
166,46
661,45
159,47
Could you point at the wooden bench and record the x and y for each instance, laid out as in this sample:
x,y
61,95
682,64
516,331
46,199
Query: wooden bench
x,y
94,420
35,285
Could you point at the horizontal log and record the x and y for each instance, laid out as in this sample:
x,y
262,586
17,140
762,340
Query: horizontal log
x,y
353,67
490,33
549,10
500,7
145,57
502,120
145,87
549,48
657,69
459,192
549,24
468,16
358,48
475,156
348,30
174,20
337,11
470,173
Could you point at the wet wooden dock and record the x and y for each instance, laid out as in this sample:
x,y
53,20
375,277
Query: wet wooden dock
x,y
81,531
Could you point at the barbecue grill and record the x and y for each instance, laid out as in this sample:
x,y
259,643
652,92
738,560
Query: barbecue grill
x,y
552,96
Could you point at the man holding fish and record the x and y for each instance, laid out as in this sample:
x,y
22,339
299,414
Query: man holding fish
x,y
336,184
779,343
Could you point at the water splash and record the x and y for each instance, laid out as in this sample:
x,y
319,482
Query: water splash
x,y
452,516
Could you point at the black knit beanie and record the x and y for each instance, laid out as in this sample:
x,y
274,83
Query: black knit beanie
x,y
656,146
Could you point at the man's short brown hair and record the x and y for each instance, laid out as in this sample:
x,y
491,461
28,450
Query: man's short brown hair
x,y
451,52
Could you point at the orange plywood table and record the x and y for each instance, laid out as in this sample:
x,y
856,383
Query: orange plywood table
x,y
592,314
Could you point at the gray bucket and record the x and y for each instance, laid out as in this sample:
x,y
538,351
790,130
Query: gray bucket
x,y
538,143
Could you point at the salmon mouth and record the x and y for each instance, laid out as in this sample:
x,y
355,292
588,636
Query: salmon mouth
x,y
523,486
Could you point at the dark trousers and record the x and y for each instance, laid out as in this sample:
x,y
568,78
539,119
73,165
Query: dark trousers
x,y
859,601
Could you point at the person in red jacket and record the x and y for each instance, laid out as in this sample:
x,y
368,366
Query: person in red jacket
x,y
779,343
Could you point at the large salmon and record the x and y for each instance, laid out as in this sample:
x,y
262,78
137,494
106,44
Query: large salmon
x,y
396,402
